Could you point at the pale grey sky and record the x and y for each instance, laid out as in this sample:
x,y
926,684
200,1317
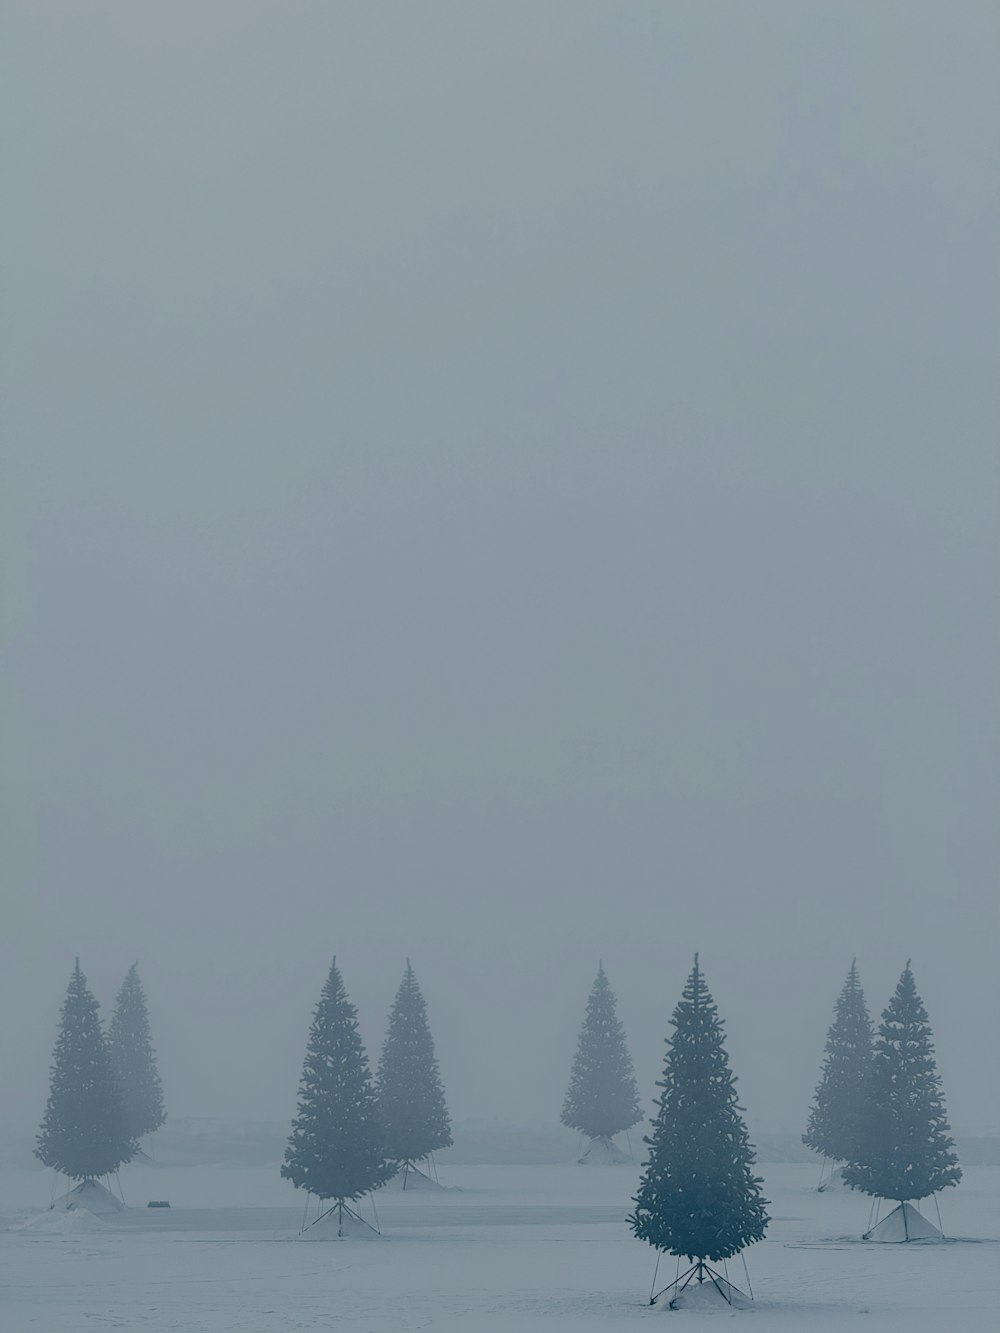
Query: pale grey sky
x,y
509,484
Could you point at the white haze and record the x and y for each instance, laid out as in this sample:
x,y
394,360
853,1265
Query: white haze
x,y
510,485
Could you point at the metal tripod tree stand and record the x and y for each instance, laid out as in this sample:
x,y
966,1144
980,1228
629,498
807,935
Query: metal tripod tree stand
x,y
412,1168
828,1173
342,1211
699,1272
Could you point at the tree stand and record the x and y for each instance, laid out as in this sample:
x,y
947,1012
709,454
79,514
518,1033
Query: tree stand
x,y
409,1177
902,1225
829,1176
347,1220
699,1272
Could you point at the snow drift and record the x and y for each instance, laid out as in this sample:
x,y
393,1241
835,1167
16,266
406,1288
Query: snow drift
x,y
409,1178
707,1296
602,1152
91,1196
62,1222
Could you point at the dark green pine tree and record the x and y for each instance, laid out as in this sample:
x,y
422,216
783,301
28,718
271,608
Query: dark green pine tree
x,y
834,1127
134,1058
84,1132
335,1148
602,1099
906,1152
412,1109
698,1195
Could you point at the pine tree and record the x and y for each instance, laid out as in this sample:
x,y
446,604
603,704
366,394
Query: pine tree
x,y
84,1132
602,1099
335,1148
134,1058
412,1110
834,1127
698,1195
906,1151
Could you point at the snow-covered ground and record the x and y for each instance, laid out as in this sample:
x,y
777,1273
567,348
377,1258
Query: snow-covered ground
x,y
511,1249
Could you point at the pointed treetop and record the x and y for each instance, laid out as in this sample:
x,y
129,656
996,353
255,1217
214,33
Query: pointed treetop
x,y
695,975
906,989
696,997
852,981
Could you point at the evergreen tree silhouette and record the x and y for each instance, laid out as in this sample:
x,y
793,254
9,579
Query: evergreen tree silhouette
x,y
134,1058
602,1099
835,1120
906,1151
84,1132
335,1148
698,1195
411,1103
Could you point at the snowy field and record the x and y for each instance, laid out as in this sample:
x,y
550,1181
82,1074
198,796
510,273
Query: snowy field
x,y
512,1248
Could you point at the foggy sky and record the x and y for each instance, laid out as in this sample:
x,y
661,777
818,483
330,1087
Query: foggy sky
x,y
511,485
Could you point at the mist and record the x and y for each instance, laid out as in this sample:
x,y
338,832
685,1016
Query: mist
x,y
512,486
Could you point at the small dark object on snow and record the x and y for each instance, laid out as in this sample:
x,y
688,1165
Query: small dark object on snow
x,y
158,1203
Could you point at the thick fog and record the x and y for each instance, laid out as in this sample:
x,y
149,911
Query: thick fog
x,y
511,485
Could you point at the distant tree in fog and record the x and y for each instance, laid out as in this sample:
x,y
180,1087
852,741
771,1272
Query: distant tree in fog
x,y
906,1149
602,1099
335,1148
134,1058
84,1132
698,1195
835,1120
411,1102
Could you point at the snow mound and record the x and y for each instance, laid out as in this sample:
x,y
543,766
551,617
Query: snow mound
x,y
902,1224
707,1296
92,1197
411,1178
602,1152
336,1225
62,1222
